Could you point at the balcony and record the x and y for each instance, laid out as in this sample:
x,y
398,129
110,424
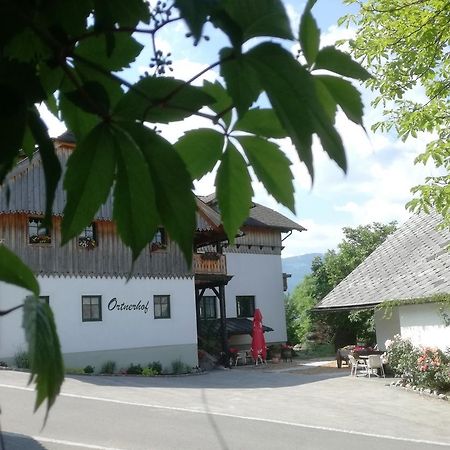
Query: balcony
x,y
209,264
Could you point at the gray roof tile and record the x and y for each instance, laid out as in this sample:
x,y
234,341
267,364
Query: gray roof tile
x,y
413,262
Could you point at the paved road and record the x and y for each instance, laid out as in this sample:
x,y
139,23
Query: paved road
x,y
236,409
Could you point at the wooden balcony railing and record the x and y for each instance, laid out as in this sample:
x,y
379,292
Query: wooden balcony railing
x,y
209,263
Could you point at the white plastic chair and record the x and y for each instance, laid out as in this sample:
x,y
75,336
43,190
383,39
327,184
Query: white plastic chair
x,y
356,364
374,362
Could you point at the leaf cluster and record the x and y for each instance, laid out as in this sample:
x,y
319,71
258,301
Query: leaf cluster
x,y
405,45
71,56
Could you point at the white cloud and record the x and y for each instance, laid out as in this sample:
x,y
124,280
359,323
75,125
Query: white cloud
x,y
318,238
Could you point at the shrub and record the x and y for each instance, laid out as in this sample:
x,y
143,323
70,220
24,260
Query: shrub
x,y
156,367
433,369
149,372
74,370
402,357
108,367
89,369
179,367
134,369
22,359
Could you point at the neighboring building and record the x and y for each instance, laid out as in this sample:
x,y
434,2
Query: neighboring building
x,y
412,270
156,314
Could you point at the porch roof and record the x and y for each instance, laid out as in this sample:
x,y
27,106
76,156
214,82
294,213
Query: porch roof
x,y
235,326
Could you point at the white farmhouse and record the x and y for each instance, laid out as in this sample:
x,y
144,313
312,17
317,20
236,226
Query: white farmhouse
x,y
157,314
407,280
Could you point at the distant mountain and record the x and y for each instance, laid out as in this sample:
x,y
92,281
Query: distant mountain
x,y
298,267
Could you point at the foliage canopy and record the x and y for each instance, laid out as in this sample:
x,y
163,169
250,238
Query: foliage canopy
x,y
71,56
327,272
405,45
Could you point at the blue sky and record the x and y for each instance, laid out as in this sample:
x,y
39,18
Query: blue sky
x,y
381,170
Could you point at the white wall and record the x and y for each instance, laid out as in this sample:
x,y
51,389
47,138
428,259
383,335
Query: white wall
x,y
424,325
261,276
118,329
387,325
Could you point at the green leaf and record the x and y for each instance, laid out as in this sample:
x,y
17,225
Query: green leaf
x,y
172,184
309,36
291,90
91,97
161,100
327,101
262,122
222,100
195,15
234,191
13,120
14,271
79,122
71,16
95,50
126,14
346,96
200,150
134,197
89,176
46,363
259,18
241,79
50,162
332,59
286,84
272,168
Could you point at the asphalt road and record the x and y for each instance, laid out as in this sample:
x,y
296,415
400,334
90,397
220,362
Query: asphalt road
x,y
238,409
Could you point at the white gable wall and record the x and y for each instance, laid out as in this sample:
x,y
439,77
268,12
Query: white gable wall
x,y
259,275
147,338
387,325
424,325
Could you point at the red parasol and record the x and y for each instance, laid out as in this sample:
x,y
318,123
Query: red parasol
x,y
258,340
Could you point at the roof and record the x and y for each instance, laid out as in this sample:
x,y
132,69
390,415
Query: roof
x,y
67,137
235,326
262,216
413,262
24,192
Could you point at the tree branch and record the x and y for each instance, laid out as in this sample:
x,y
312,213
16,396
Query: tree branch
x,y
7,311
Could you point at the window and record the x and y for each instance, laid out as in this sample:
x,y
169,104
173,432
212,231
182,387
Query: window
x,y
245,305
159,240
208,307
91,308
37,233
161,305
44,298
88,237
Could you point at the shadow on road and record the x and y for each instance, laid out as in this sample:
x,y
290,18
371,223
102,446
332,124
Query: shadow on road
x,y
219,379
13,441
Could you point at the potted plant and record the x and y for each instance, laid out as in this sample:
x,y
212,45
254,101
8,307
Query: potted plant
x,y
286,352
275,353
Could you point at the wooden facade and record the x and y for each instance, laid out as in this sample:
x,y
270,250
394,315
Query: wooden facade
x,y
110,257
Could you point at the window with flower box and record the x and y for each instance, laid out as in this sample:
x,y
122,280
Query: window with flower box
x,y
37,233
159,241
88,237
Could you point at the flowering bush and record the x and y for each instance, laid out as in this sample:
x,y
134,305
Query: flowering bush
x,y
433,369
402,357
425,367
